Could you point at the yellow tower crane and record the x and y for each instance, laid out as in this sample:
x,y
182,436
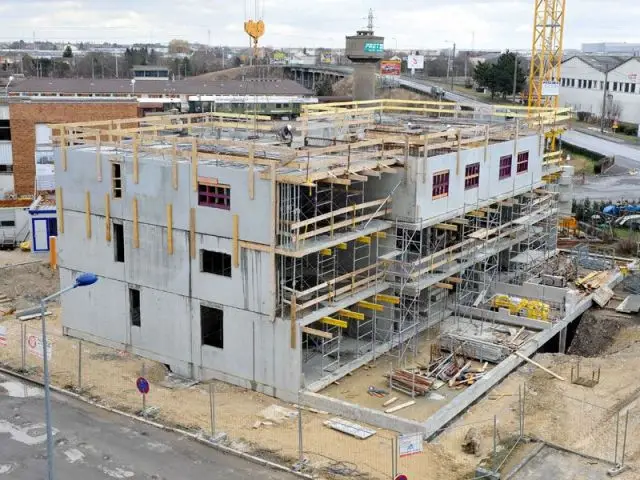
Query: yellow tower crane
x,y
546,52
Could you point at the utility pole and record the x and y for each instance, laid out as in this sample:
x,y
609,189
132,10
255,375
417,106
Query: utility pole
x,y
515,75
116,65
453,63
605,90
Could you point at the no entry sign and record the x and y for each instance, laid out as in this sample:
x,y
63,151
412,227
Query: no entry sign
x,y
143,385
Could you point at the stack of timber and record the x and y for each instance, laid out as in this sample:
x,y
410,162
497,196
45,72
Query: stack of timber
x,y
410,382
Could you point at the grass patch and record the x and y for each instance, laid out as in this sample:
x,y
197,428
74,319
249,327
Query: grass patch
x,y
582,164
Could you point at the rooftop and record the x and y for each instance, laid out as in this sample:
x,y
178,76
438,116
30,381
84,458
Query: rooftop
x,y
158,87
602,63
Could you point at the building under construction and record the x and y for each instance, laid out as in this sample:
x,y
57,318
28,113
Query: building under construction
x,y
278,259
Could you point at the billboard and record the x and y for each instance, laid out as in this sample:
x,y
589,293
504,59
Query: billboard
x,y
415,62
371,47
325,57
279,56
550,89
390,67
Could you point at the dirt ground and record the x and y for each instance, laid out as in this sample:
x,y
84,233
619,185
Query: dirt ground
x,y
569,415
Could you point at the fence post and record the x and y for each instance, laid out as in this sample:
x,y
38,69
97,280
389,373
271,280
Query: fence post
x,y
79,365
144,395
624,439
495,445
394,457
23,334
300,445
212,404
615,451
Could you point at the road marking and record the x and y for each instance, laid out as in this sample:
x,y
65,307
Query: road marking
x,y
74,455
117,472
22,434
20,390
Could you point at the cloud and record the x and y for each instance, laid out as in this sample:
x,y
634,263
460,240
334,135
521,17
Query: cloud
x,y
422,24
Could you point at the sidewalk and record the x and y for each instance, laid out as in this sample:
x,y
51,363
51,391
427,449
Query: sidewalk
x,y
611,137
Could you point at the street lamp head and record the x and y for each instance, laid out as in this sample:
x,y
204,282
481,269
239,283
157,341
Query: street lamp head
x,y
11,78
85,279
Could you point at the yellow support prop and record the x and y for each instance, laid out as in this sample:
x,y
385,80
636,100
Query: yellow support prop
x,y
371,306
388,299
366,240
352,315
380,234
334,322
341,246
326,252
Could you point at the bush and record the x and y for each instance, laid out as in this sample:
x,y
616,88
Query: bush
x,y
628,129
628,246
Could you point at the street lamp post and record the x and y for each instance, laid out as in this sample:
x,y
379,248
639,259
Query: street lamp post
x,y
133,86
82,280
452,59
6,90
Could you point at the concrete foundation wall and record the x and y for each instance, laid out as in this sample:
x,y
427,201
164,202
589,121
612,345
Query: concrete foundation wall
x,y
364,81
533,291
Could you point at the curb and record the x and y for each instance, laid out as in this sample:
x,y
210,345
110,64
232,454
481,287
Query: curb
x,y
166,428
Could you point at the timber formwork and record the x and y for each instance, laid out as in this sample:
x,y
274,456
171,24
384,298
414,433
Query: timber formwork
x,y
353,280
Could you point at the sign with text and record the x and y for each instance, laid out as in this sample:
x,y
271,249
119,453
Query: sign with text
x,y
3,336
371,47
550,89
410,444
415,62
35,346
390,67
326,57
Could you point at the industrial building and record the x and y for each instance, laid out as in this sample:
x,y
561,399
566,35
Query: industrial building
x,y
583,83
227,248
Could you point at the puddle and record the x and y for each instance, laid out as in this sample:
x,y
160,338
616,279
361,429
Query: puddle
x,y
20,390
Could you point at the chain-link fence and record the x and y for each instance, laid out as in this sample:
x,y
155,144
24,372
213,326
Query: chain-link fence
x,y
317,442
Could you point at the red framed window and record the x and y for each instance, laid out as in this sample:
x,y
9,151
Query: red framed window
x,y
440,185
523,162
472,176
216,196
505,166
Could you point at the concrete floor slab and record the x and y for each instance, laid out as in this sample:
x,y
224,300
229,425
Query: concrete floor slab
x,y
561,465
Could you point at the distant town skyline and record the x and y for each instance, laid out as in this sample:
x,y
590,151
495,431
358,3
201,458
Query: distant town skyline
x,y
479,24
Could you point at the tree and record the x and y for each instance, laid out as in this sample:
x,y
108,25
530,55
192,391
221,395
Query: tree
x,y
179,46
498,76
324,88
68,53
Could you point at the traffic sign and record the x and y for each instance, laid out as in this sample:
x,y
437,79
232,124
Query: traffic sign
x,y
143,385
401,477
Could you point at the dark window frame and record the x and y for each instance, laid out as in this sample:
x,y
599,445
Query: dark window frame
x,y
440,185
134,307
472,176
118,242
212,326
216,263
5,130
522,165
506,166
116,179
6,169
214,196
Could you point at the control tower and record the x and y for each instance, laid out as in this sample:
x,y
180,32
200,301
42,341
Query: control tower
x,y
365,50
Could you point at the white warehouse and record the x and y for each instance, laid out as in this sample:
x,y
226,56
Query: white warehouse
x,y
226,252
582,86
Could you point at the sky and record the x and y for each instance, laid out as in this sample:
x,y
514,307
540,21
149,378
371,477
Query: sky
x,y
409,24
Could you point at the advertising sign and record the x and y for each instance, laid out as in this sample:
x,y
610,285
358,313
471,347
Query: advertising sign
x,y
279,56
34,345
410,444
550,89
415,62
325,58
390,67
371,47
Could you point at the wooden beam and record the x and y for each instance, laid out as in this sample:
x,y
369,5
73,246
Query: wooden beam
x,y
371,173
446,226
334,322
460,221
60,210
235,241
388,299
337,181
446,286
136,166
340,211
98,159
170,228
371,306
252,176
194,164
192,232
351,315
454,280
358,178
317,333
107,217
259,247
87,212
136,225
63,145
544,369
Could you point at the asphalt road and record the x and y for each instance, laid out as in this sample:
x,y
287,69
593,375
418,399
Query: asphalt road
x,y
618,184
92,444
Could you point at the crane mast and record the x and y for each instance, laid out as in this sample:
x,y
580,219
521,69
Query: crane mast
x,y
546,51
